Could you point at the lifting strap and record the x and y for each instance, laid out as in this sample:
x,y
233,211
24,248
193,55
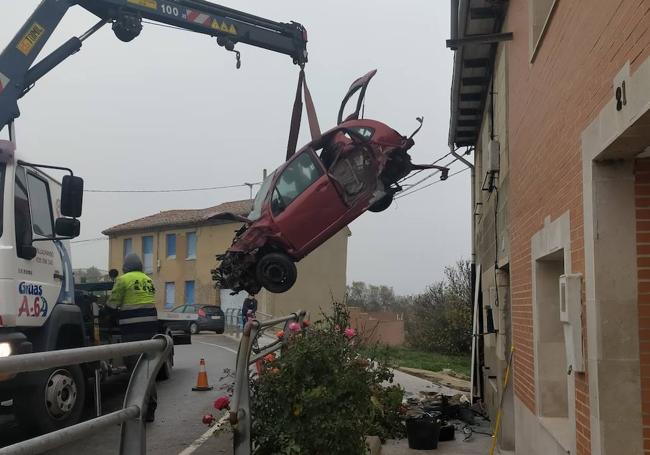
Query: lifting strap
x,y
296,115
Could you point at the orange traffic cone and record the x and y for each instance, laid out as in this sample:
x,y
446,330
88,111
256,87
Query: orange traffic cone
x,y
202,379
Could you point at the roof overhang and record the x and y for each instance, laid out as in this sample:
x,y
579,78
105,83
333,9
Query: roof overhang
x,y
475,38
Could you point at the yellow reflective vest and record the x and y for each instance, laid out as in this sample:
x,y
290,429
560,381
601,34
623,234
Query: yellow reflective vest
x,y
133,290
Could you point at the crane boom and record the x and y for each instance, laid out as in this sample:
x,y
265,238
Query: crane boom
x,y
18,73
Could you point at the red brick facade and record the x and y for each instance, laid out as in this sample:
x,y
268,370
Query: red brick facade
x,y
550,103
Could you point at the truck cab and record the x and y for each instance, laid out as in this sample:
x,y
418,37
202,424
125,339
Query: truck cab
x,y
37,308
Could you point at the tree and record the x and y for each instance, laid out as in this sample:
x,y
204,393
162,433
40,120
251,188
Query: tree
x,y
441,319
372,297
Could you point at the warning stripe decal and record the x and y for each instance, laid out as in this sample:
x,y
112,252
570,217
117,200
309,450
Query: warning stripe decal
x,y
198,18
4,81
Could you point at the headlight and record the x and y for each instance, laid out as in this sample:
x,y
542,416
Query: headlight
x,y
5,350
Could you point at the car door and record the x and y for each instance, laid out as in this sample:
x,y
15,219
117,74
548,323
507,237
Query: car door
x,y
305,203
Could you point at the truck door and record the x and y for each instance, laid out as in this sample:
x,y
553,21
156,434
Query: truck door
x,y
39,280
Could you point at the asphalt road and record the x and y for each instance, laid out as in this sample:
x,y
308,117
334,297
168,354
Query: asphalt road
x,y
178,418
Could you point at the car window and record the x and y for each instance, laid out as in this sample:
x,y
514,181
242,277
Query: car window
x,y
355,171
260,197
190,309
179,309
299,175
210,309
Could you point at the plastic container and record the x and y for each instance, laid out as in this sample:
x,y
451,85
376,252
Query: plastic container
x,y
422,433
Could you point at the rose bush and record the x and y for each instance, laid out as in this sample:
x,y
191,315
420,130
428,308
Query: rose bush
x,y
321,396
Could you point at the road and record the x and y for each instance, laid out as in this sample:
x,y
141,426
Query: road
x,y
178,418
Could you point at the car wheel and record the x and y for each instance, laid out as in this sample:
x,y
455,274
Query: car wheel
x,y
382,204
276,272
56,402
194,329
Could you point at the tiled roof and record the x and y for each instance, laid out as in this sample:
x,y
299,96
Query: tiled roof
x,y
172,218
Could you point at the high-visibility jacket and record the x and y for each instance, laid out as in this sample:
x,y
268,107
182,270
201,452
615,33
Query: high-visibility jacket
x,y
133,289
133,295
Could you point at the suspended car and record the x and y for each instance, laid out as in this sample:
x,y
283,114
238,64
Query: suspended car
x,y
352,168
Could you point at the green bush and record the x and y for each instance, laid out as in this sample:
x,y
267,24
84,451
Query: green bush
x,y
321,397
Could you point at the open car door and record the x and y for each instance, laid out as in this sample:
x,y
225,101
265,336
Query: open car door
x,y
360,85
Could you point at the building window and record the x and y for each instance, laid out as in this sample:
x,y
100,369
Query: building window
x,y
171,246
540,16
147,254
128,247
191,245
170,295
189,293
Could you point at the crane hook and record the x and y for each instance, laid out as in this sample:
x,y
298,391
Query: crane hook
x,y
238,57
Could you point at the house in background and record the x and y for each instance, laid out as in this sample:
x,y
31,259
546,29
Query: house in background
x,y
385,327
179,247
552,98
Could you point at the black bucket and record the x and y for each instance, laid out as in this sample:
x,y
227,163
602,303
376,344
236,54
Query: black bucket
x,y
423,433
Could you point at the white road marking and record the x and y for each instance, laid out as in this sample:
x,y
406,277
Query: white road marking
x,y
205,436
219,346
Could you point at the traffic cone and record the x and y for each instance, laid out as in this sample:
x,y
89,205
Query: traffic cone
x,y
202,379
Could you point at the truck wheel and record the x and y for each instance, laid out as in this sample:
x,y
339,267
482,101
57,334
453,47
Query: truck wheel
x,y
56,402
382,204
276,272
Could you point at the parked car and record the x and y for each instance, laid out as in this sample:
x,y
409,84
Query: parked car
x,y
210,317
354,167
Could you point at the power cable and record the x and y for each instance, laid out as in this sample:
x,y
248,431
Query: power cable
x,y
89,240
178,190
434,173
421,170
432,183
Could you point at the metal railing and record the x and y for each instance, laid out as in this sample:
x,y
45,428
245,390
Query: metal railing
x,y
133,436
233,320
240,414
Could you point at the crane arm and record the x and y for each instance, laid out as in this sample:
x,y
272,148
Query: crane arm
x,y
18,73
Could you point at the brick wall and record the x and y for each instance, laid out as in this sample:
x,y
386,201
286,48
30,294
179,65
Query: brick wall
x,y
551,102
642,202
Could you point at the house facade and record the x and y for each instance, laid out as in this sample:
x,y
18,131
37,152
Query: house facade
x,y
551,98
179,247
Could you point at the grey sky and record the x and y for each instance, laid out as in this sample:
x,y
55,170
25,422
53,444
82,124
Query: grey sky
x,y
169,110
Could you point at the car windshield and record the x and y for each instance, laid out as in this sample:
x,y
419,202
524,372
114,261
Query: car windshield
x,y
260,197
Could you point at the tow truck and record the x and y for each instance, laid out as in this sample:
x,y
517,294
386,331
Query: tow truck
x,y
39,215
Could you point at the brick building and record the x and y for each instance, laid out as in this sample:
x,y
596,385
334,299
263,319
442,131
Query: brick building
x,y
552,99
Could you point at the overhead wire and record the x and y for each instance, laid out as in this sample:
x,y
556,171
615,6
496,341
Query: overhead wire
x,y
421,170
177,190
97,239
432,183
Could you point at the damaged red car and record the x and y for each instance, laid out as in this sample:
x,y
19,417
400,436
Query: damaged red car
x,y
324,186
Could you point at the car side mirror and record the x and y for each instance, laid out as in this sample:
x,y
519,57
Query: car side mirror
x,y
27,252
67,227
72,192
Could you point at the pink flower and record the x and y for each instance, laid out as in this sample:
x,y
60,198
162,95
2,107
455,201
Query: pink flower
x,y
280,334
306,323
337,328
222,403
294,327
350,332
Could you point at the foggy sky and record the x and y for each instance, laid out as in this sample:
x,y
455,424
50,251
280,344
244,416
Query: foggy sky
x,y
170,110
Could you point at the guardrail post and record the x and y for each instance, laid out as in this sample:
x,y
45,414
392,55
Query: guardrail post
x,y
133,436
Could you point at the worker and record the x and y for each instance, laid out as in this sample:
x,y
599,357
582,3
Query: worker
x,y
133,296
249,306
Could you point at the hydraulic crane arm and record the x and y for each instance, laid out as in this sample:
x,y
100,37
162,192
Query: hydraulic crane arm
x,y
18,72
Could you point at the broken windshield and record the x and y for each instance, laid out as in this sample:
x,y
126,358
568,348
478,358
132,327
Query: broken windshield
x,y
256,211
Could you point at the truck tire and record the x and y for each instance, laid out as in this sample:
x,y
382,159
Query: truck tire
x,y
56,401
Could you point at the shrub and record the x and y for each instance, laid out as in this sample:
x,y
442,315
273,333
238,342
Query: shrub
x,y
322,397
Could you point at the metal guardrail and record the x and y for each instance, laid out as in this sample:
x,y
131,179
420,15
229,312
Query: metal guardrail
x,y
240,414
133,437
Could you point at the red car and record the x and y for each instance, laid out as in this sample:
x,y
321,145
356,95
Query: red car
x,y
327,184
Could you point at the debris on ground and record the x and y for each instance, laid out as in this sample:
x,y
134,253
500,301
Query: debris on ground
x,y
449,379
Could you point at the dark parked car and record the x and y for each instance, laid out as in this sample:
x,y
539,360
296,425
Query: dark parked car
x,y
210,317
354,167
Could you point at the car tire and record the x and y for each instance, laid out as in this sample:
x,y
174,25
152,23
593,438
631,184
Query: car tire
x,y
194,328
382,204
56,401
276,272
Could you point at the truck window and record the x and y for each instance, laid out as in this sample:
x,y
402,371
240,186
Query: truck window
x,y
21,211
39,200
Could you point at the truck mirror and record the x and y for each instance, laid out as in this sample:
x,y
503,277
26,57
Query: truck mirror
x,y
67,227
27,252
72,193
